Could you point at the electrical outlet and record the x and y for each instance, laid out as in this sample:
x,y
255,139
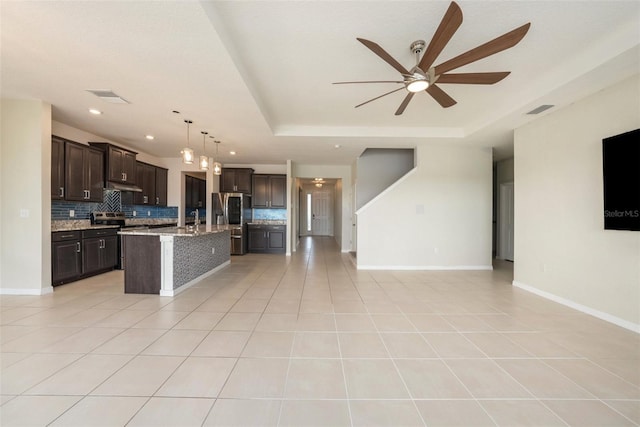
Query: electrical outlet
x,y
72,213
436,250
24,213
213,251
148,213
135,213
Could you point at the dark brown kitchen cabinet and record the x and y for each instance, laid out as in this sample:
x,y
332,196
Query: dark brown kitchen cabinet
x,y
146,180
236,180
57,168
99,250
161,186
195,192
120,164
66,256
153,182
269,191
266,238
84,173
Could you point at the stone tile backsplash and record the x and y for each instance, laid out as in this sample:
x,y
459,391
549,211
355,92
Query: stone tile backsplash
x,y
270,214
112,203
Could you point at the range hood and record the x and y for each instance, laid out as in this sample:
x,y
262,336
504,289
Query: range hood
x,y
117,186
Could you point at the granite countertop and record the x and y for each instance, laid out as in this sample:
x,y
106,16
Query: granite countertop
x,y
267,222
201,230
77,226
85,224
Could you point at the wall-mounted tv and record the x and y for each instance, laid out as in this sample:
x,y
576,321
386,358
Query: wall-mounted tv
x,y
621,174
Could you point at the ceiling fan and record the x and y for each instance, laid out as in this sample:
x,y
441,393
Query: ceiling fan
x,y
424,76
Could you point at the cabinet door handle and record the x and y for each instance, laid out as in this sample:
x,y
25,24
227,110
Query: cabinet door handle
x,y
78,247
88,194
103,244
125,176
157,200
61,191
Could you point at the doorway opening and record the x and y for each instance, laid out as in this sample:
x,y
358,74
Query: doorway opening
x,y
317,208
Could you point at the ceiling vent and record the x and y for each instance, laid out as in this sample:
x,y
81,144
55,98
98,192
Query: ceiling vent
x,y
540,109
109,96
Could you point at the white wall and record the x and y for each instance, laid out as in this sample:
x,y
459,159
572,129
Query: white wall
x,y
378,168
344,174
25,191
436,217
562,250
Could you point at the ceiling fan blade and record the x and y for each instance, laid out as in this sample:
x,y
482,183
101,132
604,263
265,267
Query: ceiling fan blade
x,y
375,48
371,81
441,96
378,97
496,45
473,78
404,104
450,23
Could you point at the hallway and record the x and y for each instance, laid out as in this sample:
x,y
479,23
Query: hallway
x,y
310,340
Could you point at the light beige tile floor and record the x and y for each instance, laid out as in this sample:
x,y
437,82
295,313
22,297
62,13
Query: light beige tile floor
x,y
309,340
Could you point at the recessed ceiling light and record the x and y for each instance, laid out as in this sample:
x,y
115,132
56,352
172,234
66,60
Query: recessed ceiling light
x,y
336,146
233,153
94,111
149,137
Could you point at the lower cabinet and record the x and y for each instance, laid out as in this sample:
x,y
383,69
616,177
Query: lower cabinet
x,y
66,256
266,238
99,250
79,254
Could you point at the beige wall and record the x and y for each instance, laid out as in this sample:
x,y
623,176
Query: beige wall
x,y
25,210
438,216
561,248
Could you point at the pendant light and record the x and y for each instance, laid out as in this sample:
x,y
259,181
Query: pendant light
x,y
204,160
217,166
187,153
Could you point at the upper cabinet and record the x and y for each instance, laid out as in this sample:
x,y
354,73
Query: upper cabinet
x,y
120,163
84,173
57,168
269,191
236,180
146,180
161,186
153,182
195,192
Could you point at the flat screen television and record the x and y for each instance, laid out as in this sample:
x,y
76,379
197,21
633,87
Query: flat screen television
x,y
621,176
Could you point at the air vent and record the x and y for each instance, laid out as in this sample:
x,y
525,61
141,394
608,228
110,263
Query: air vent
x,y
540,109
109,96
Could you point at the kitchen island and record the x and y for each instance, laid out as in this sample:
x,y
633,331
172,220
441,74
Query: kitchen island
x,y
166,261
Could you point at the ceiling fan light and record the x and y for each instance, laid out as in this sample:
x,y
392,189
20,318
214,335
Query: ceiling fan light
x,y
417,85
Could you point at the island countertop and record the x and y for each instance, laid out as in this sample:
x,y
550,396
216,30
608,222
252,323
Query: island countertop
x,y
201,230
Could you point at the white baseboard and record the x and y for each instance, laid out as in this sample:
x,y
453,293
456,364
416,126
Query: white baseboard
x,y
582,308
174,292
16,291
426,267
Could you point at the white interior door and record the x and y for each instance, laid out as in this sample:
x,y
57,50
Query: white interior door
x,y
505,251
321,209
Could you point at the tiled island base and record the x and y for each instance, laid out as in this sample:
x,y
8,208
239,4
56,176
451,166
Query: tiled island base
x,y
164,263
